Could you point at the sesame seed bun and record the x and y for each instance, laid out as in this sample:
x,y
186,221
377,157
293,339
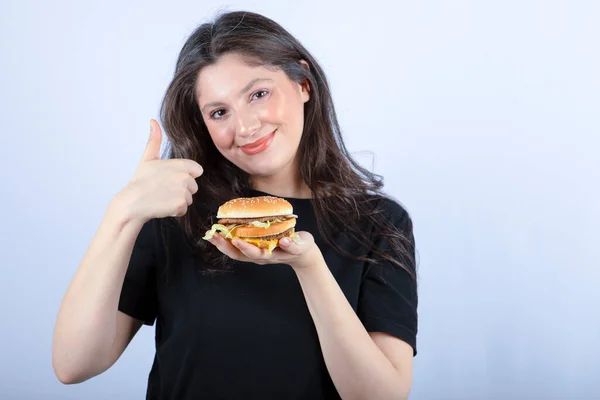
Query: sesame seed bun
x,y
255,207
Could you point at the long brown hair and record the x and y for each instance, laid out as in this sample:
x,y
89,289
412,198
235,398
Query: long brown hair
x,y
343,192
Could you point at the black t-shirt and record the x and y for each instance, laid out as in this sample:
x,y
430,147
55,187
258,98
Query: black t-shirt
x,y
248,334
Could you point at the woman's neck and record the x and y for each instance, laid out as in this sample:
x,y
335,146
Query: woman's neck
x,y
282,186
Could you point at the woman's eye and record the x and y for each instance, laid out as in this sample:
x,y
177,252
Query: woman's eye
x,y
260,93
217,114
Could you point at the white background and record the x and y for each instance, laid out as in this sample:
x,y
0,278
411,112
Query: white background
x,y
483,117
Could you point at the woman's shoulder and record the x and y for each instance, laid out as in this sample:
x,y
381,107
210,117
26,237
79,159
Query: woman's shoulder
x,y
389,207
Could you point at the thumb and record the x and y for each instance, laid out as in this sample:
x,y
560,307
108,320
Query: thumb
x,y
152,151
299,243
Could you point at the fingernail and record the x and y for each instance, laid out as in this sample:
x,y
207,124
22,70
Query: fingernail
x,y
285,241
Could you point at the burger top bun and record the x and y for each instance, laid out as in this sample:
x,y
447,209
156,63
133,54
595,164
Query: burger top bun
x,y
255,207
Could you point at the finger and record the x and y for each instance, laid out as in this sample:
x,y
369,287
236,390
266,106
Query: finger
x,y
304,241
152,151
186,182
288,245
226,247
181,209
249,250
189,198
196,169
190,167
192,185
193,168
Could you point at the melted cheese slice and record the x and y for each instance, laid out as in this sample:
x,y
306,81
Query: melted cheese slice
x,y
271,244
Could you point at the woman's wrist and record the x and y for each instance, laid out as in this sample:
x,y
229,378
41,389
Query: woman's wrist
x,y
310,261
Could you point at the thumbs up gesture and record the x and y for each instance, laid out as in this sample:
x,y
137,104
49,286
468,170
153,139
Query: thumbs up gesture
x,y
160,188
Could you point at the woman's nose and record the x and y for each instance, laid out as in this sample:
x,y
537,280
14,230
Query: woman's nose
x,y
247,124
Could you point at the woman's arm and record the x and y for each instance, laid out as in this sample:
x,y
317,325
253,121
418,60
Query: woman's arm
x,y
362,365
90,333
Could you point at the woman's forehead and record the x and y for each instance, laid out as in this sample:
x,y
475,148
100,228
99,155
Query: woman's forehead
x,y
232,76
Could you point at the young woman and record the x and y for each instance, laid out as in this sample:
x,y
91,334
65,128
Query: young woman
x,y
248,113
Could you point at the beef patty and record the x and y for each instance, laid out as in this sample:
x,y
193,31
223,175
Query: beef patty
x,y
228,221
273,237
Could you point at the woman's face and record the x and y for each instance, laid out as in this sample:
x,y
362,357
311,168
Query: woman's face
x,y
255,115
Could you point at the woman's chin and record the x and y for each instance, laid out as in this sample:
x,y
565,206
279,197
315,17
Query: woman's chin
x,y
265,168
263,172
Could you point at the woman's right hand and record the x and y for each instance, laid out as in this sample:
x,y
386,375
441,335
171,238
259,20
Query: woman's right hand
x,y
159,188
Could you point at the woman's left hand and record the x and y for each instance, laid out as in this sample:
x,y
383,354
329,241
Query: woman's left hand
x,y
297,255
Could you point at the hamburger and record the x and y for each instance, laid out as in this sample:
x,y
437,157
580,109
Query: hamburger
x,y
260,221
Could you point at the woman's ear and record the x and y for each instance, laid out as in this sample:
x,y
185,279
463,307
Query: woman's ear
x,y
305,90
305,85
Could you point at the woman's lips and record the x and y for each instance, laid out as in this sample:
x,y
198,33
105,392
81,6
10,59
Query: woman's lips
x,y
260,145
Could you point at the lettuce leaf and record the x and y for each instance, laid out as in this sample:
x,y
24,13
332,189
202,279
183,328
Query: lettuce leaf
x,y
296,238
222,229
262,224
268,223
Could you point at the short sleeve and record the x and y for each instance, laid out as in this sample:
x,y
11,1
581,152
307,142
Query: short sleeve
x,y
388,297
138,297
